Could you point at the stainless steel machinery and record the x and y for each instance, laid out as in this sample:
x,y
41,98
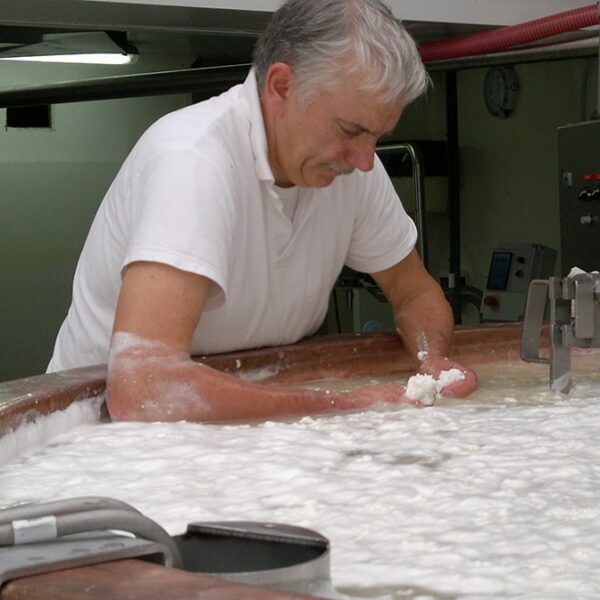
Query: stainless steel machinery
x,y
512,267
574,322
579,196
574,319
574,300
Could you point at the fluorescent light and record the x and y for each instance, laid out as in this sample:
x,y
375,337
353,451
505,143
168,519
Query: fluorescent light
x,y
92,58
96,47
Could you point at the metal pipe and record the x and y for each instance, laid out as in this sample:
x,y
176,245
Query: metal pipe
x,y
209,81
598,91
419,183
566,51
454,266
61,507
117,519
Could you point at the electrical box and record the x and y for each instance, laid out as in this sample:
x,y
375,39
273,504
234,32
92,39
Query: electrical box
x,y
579,196
512,267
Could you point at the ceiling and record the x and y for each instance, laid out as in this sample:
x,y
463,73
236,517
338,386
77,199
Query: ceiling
x,y
197,37
210,36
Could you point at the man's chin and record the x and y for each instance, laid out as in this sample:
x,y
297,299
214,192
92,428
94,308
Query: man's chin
x,y
324,180
328,175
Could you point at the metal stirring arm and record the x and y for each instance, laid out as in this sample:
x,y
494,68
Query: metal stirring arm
x,y
574,322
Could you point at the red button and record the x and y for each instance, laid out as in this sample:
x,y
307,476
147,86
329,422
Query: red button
x,y
491,301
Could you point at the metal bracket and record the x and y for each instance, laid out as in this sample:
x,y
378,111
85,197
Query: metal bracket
x,y
76,551
45,537
574,322
534,318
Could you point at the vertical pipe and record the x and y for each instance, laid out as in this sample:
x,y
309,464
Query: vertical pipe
x,y
418,170
454,283
598,91
420,207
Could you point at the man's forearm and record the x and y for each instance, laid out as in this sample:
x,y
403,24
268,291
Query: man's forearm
x,y
425,324
424,321
148,381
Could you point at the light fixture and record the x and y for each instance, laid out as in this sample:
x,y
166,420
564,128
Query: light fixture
x,y
79,47
95,58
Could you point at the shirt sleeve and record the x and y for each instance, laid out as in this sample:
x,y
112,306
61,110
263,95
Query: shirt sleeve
x,y
383,232
186,216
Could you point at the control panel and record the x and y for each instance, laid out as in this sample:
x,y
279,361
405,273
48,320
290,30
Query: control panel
x,y
579,195
512,266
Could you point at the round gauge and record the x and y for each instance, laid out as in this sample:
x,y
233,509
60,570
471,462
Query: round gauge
x,y
500,90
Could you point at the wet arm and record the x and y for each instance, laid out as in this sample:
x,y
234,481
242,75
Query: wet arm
x,y
153,378
423,319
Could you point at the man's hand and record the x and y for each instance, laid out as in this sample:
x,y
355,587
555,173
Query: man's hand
x,y
383,392
424,320
434,365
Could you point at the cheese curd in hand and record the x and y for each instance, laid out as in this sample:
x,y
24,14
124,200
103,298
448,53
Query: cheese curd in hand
x,y
426,389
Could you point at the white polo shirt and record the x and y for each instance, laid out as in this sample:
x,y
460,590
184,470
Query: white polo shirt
x,y
197,193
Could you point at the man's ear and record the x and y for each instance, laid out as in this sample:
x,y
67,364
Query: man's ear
x,y
278,86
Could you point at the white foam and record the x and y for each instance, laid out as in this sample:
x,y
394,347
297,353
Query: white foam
x,y
422,355
258,374
491,497
36,433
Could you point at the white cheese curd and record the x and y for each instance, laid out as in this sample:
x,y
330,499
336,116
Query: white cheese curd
x,y
495,496
426,389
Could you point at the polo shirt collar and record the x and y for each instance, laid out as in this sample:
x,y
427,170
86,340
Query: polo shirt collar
x,y
258,136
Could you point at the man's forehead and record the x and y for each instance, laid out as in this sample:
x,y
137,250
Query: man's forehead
x,y
354,106
368,119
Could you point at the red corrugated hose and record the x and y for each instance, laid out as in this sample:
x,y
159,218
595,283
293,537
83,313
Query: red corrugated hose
x,y
514,35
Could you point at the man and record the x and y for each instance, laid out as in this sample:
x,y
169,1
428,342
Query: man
x,y
230,221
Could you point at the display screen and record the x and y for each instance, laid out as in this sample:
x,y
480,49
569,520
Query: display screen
x,y
499,270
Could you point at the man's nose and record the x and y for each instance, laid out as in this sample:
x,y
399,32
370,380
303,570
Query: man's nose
x,y
361,154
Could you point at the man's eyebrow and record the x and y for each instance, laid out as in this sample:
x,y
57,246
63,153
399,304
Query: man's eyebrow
x,y
360,128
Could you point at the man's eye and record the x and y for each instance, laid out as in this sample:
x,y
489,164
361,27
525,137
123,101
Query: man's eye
x,y
350,132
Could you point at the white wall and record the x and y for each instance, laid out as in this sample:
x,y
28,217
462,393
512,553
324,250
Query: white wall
x,y
509,167
52,183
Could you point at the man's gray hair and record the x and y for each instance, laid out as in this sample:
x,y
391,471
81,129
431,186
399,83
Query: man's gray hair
x,y
323,40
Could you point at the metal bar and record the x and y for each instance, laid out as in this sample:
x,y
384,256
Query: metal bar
x,y
420,206
560,293
598,90
419,183
568,51
71,521
537,296
454,282
206,81
560,360
28,560
584,307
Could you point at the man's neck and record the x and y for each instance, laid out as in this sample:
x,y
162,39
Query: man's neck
x,y
279,176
